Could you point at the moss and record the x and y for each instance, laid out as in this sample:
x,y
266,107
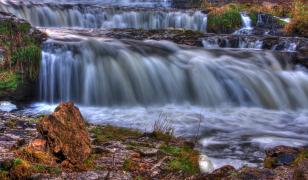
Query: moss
x,y
107,133
35,156
39,168
268,162
9,81
184,159
224,20
34,120
11,123
301,156
171,150
21,169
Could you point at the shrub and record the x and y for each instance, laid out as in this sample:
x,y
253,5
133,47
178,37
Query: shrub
x,y
224,20
299,22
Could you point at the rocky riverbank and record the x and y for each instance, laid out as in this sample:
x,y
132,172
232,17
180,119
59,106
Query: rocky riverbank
x,y
65,147
62,145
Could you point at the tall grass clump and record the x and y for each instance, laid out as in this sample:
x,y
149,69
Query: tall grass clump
x,y
224,20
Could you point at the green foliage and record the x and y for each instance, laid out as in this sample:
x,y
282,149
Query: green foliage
x,y
183,164
106,133
22,50
224,20
30,57
171,150
5,27
184,159
23,27
9,81
254,17
10,27
39,168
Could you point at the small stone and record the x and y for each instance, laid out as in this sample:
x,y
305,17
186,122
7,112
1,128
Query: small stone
x,y
145,151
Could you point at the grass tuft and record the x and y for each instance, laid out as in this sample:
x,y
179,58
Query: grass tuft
x,y
107,133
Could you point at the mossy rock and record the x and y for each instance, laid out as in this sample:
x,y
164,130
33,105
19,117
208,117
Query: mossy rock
x,y
224,20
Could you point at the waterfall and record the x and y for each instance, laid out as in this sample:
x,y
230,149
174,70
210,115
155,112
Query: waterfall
x,y
134,3
246,25
100,72
246,21
85,16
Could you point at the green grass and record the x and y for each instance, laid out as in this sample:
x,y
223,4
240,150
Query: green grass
x,y
39,168
171,150
224,20
9,81
29,57
107,133
23,51
254,17
184,159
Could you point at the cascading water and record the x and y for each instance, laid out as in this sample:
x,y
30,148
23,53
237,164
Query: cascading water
x,y
148,73
246,21
246,25
84,16
133,3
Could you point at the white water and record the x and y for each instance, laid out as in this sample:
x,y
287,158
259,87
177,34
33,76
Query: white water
x,y
246,25
7,106
133,3
153,72
84,16
246,21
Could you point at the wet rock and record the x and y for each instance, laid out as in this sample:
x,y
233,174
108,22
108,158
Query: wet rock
x,y
224,171
302,56
66,134
250,173
279,156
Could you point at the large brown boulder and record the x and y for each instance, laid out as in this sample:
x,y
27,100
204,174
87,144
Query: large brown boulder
x,y
66,134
